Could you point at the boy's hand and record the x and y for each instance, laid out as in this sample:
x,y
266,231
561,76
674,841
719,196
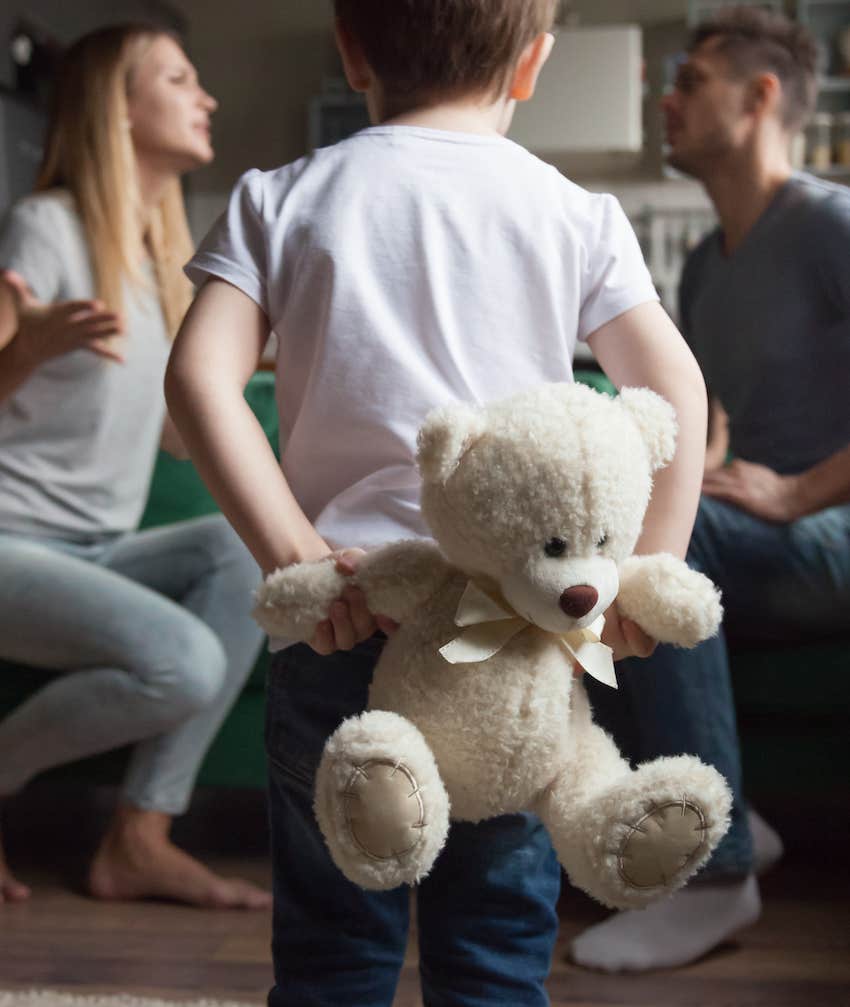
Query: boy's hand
x,y
350,620
625,637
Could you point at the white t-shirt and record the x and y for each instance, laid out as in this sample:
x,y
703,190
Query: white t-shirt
x,y
79,438
403,268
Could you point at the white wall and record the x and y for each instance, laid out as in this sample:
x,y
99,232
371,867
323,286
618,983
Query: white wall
x,y
641,11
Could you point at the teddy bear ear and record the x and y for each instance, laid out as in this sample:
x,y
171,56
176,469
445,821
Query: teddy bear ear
x,y
444,438
656,420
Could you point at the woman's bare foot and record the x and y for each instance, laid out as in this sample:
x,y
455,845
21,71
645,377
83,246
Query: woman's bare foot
x,y
137,860
11,890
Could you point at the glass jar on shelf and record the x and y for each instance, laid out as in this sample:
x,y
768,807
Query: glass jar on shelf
x,y
842,139
819,141
843,42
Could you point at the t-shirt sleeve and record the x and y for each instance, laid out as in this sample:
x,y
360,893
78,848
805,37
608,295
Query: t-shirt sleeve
x,y
685,296
28,245
832,237
616,278
235,248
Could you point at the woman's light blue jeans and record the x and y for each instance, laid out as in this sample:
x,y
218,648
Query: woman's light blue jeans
x,y
153,630
780,583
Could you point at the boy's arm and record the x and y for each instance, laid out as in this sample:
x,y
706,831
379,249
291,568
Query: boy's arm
x,y
215,354
642,347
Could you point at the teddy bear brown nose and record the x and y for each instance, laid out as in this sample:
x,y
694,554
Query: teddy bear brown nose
x,y
579,600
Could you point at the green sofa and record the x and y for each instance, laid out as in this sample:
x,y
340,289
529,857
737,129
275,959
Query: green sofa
x,y
792,702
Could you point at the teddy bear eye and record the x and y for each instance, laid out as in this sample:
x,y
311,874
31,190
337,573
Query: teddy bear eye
x,y
555,547
603,540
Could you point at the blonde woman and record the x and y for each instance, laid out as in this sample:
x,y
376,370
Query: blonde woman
x,y
151,628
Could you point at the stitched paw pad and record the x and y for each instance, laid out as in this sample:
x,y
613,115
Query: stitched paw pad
x,y
662,843
384,811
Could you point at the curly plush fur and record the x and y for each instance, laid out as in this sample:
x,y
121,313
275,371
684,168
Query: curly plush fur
x,y
531,498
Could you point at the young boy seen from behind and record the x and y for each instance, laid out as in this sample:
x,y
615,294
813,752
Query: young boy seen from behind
x,y
423,260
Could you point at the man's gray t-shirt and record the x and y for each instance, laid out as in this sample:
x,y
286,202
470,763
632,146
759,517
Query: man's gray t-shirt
x,y
770,326
79,437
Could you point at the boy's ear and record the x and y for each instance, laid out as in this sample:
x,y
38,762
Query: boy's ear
x,y
530,64
358,73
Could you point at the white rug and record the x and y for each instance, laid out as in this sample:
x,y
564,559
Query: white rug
x,y
49,998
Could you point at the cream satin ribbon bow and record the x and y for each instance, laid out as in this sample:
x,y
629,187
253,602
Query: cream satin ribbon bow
x,y
489,626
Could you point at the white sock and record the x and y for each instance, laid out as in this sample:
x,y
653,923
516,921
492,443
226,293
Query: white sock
x,y
672,932
767,846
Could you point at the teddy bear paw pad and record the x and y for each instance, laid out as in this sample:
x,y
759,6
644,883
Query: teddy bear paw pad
x,y
662,843
384,810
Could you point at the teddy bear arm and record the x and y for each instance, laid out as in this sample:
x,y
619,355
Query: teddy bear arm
x,y
292,601
399,578
668,600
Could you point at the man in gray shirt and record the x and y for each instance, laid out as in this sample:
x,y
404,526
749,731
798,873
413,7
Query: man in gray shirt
x,y
766,310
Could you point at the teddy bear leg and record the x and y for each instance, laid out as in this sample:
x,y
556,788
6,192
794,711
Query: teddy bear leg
x,y
593,765
380,802
628,837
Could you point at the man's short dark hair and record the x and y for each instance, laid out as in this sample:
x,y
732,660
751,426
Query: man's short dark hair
x,y
429,50
755,40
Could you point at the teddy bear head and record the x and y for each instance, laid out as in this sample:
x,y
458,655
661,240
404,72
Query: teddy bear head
x,y
542,495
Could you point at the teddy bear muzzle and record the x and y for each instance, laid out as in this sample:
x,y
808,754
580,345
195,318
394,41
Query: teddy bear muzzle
x,y
578,600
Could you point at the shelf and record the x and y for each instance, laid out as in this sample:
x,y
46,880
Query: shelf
x,y
836,171
703,10
833,84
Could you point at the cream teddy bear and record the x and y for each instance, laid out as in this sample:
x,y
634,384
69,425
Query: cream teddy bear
x,y
535,504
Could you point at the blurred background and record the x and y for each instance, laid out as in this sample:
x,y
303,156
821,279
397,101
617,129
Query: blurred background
x,y
274,70
273,67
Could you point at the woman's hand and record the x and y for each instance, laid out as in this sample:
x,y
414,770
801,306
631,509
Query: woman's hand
x,y
350,620
45,331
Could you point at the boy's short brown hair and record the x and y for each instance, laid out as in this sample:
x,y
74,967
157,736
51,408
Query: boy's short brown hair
x,y
755,40
427,50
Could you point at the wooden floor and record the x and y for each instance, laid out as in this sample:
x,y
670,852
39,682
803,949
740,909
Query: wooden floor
x,y
797,955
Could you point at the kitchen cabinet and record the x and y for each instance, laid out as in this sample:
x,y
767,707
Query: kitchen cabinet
x,y
589,94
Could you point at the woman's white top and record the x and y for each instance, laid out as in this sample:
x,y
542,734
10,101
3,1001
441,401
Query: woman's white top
x,y
79,438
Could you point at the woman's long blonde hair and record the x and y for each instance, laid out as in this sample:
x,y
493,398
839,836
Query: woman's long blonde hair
x,y
89,151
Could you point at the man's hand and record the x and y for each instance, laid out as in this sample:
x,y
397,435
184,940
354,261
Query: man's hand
x,y
625,637
350,620
45,331
756,489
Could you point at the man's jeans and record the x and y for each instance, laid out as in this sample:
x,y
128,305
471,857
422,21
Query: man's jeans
x,y
486,913
779,583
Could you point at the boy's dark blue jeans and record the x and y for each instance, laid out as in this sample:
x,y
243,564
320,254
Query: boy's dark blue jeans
x,y
486,913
